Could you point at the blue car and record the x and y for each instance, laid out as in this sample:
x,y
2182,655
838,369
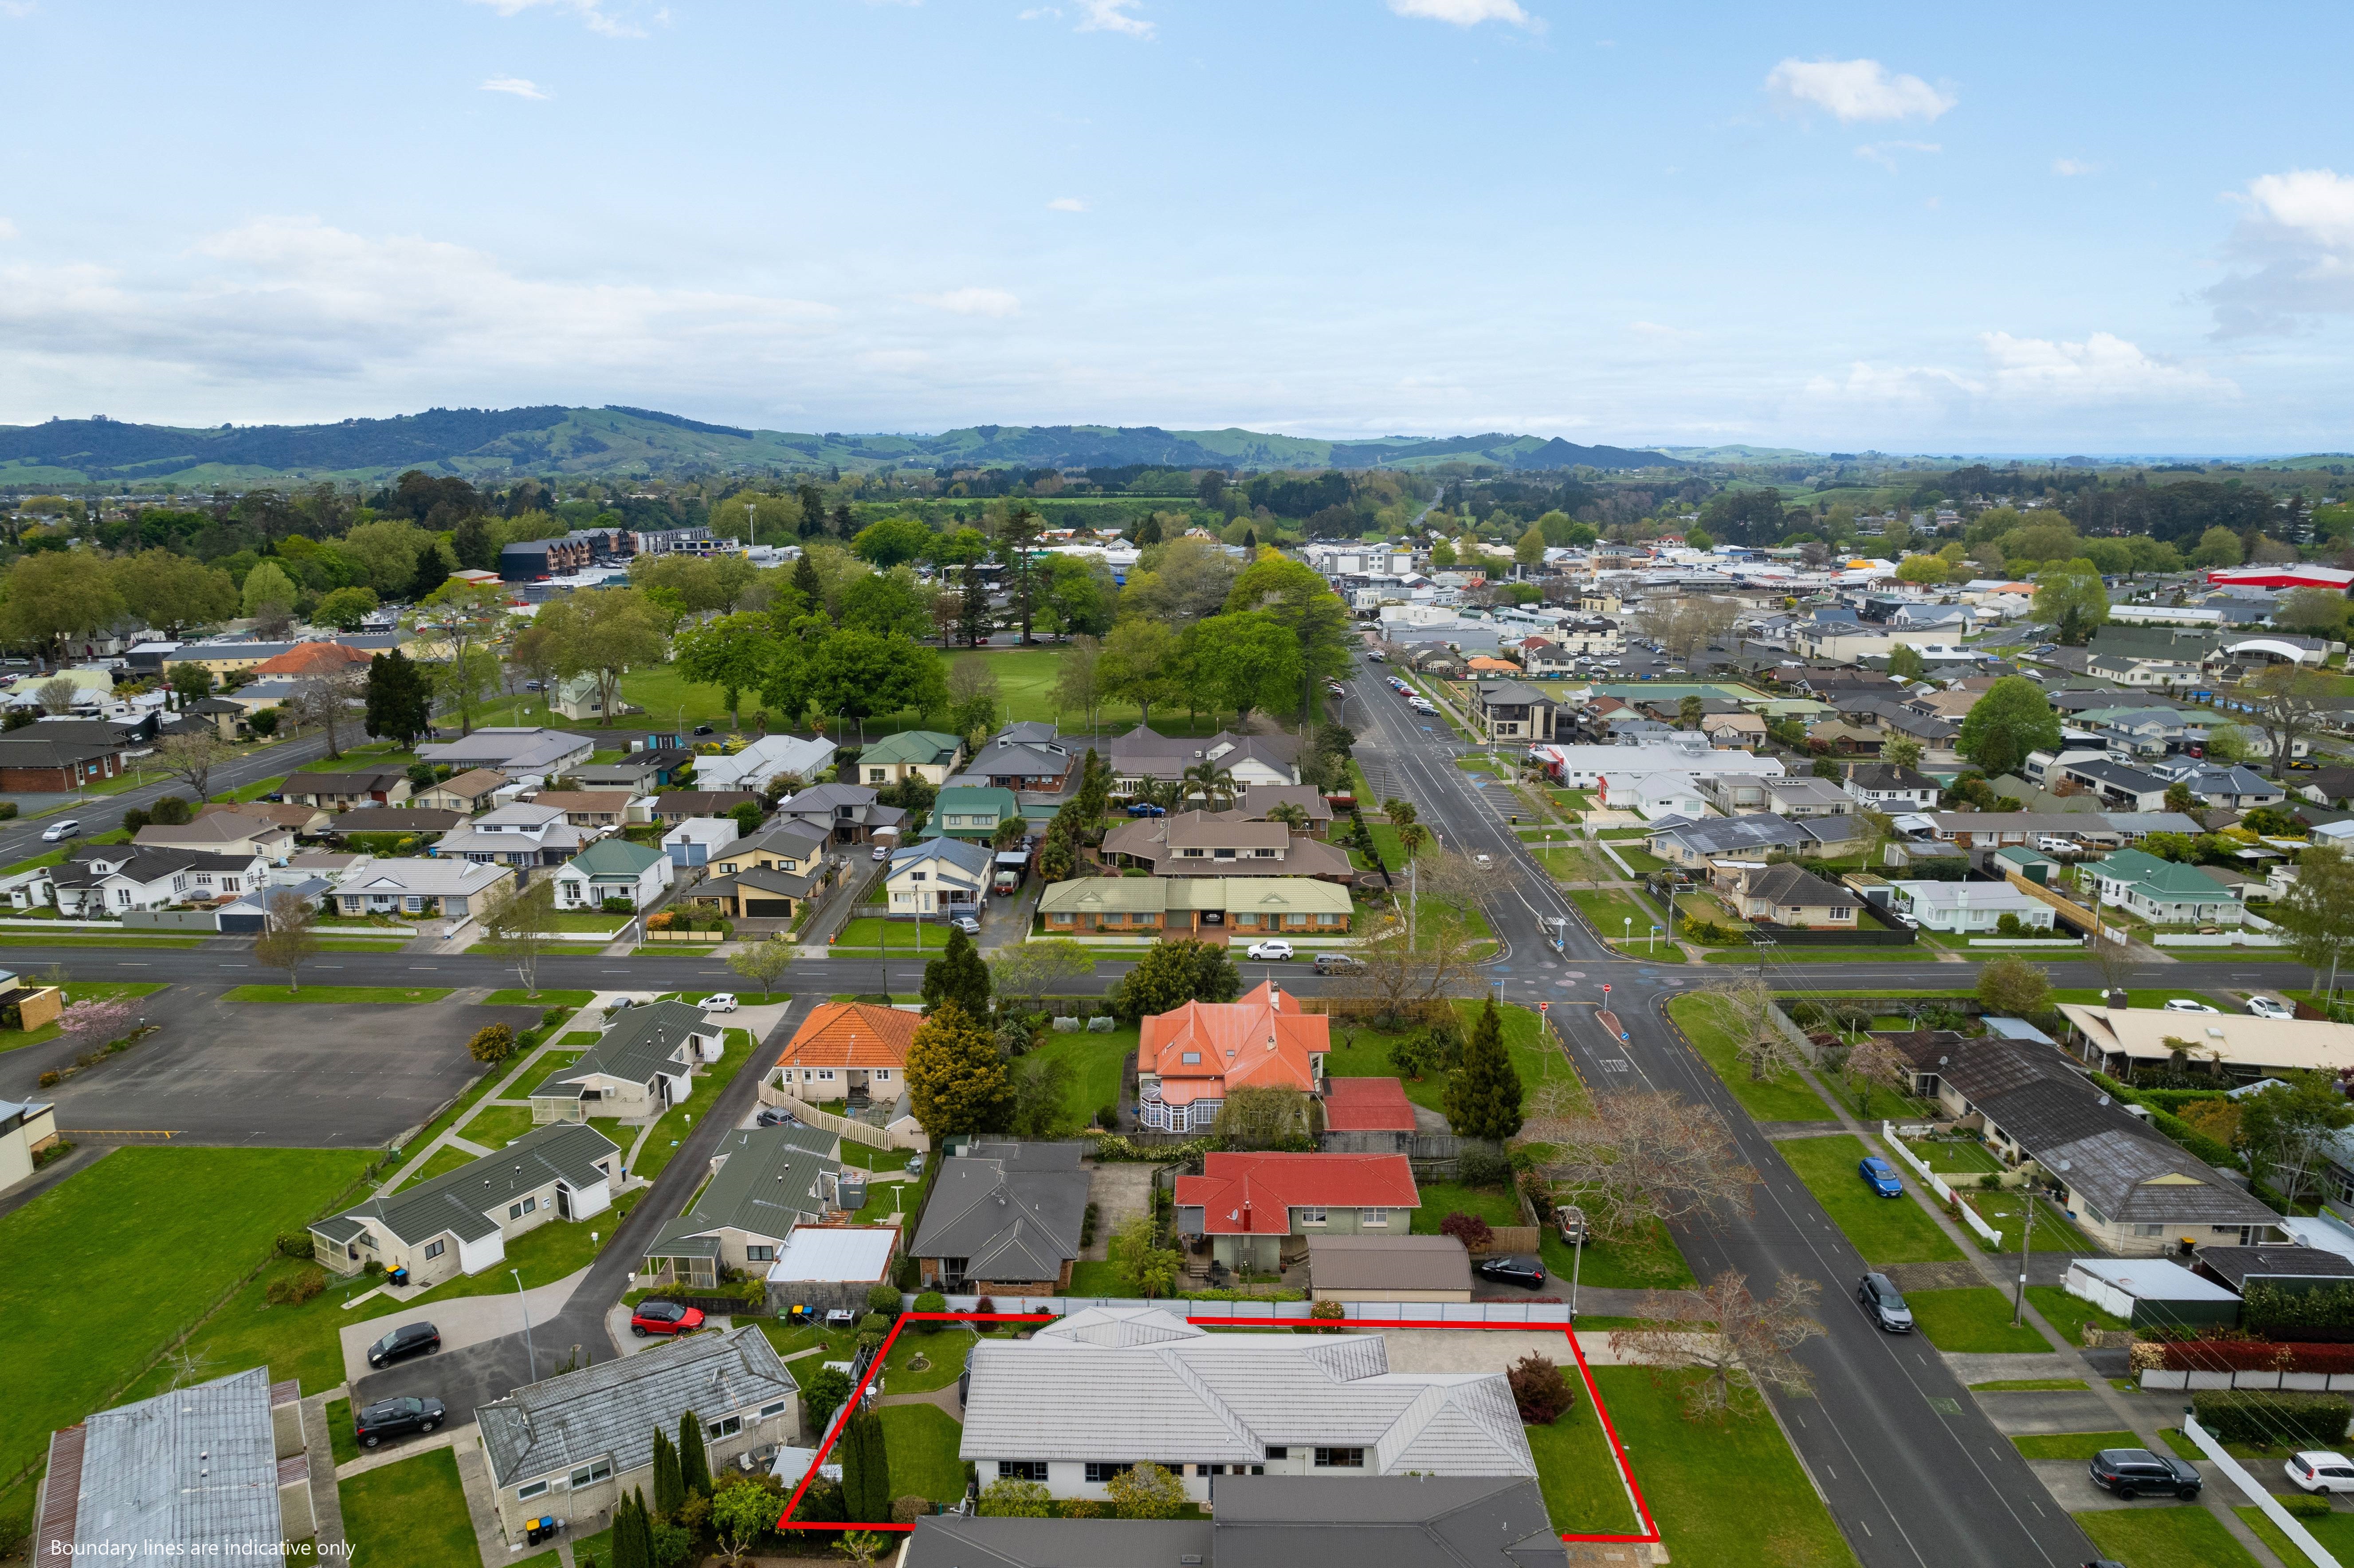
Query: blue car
x,y
1146,809
1880,1176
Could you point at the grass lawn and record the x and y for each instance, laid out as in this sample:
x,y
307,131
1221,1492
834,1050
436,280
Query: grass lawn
x,y
1094,1277
1949,1157
1885,1230
1729,1493
249,1331
866,1157
495,1127
2073,1445
341,1443
1784,1098
1362,1053
2052,1231
2334,1531
1640,860
559,1248
1651,1262
377,753
1578,1476
514,997
47,857
413,1512
85,1304
672,1130
891,935
444,1161
2069,1314
125,940
1096,1063
326,994
1975,1318
1572,863
787,1339
2186,1536
1496,1205
945,1350
921,1440
2091,996
593,921
1614,913
2030,1385
10,1039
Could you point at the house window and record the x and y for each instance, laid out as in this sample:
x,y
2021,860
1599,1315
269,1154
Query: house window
x,y
825,1074
882,1075
599,1470
533,1490
1328,919
1373,1218
517,1210
1279,1452
2149,1230
760,1253
1023,1469
1099,1472
774,1407
727,1426
1312,1216
1192,1058
433,1249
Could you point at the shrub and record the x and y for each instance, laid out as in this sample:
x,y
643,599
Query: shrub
x,y
930,1301
908,1510
1540,1389
1083,1508
1539,1192
1481,1166
2304,1505
1324,1316
7,811
554,1016
618,907
822,1392
1010,1498
1470,1229
492,1043
13,1526
50,1079
1146,1491
2325,1313
296,1288
883,1298
296,1244
2263,1417
874,1323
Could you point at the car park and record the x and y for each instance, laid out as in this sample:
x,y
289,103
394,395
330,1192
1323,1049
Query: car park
x,y
2130,1473
372,1424
664,1317
719,1001
2320,1471
2270,1007
408,1340
1880,1176
59,830
1521,1271
1273,948
1884,1303
2184,1004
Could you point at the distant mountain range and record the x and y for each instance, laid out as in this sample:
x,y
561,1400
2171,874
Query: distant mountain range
x,y
486,443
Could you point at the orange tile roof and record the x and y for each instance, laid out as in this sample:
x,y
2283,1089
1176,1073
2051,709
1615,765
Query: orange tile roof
x,y
852,1035
1264,1039
1485,663
1367,1105
313,658
1247,1194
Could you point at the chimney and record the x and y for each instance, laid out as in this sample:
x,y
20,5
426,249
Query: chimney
x,y
2115,1000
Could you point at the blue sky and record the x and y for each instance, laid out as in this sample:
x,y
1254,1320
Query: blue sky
x,y
2047,228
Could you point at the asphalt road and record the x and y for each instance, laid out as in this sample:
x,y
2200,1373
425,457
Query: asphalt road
x,y
103,813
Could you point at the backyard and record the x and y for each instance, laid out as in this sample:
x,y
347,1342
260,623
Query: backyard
x,y
1096,1060
412,1512
1575,1470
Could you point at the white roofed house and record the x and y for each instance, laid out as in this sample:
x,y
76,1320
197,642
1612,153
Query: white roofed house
x,y
1968,907
1654,795
520,836
764,762
450,888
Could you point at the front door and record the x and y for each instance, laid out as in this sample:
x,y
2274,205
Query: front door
x,y
563,1201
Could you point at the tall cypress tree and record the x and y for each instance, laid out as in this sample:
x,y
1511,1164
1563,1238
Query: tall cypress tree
x,y
399,698
694,1463
641,1531
865,1470
1483,1098
669,1491
433,571
625,1537
958,975
806,584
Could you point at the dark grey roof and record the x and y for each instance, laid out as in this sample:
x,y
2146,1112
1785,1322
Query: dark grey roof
x,y
794,838
1333,1521
952,1540
1791,886
768,1180
641,1041
1012,1211
461,1201
761,879
2117,776
1388,1262
1889,775
32,747
141,862
1764,830
612,1410
191,1474
361,783
1010,759
2235,1266
823,799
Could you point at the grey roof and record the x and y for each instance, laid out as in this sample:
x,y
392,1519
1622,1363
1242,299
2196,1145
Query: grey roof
x,y
1388,1262
2117,776
1804,789
143,864
461,1201
1888,776
761,879
2134,824
1763,831
1349,1521
511,748
2235,1266
965,854
1014,1211
192,1473
1012,759
1199,1397
954,1540
1798,888
612,1410
767,1181
796,838
367,782
640,1043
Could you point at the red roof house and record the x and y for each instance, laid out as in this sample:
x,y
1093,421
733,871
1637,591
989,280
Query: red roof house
x,y
1187,1060
305,659
1367,1116
1244,1205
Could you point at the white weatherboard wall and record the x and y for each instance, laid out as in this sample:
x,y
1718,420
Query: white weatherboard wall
x,y
1992,1236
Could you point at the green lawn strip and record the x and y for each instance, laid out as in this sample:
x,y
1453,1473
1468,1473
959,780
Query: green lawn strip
x,y
676,1122
866,1157
2071,1444
445,1160
44,941
412,1512
1578,1475
1496,1205
1811,994
2052,1231
1951,1157
10,1039
891,935
578,1037
1638,859
516,997
355,757
2333,1531
552,951
2183,1447
1364,1053
945,1351
148,1240
2069,1314
495,1127
1730,1492
789,1338
47,857
1096,1060
1885,1230
1649,1262
250,1331
2186,1536
1783,1097
1973,1320
1907,954
326,995
556,1250
2030,1385
1094,1277
341,1445
258,789
1615,913
922,1440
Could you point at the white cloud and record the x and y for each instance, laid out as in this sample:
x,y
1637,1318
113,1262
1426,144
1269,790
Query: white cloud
x,y
1066,203
519,87
7,229
1884,153
974,301
17,9
2068,168
1857,89
2025,375
590,13
2294,244
1465,13
1112,17
2317,204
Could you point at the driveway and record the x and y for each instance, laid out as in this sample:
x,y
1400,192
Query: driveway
x,y
1119,1189
463,1320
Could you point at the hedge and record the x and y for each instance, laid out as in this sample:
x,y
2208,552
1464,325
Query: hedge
x,y
2324,1314
2255,1355
2181,1132
2264,1417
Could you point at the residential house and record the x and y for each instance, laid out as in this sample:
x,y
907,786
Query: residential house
x,y
848,1050
2237,1048
1994,829
1799,796
342,791
1654,796
406,820
1733,731
56,756
939,877
693,843
469,791
1188,1059
769,874
641,1065
223,832
1003,1220
1512,710
452,888
227,655
215,1472
513,750
1255,803
1196,908
459,1222
2325,786
847,812
115,879
1969,908
1732,793
2233,789
574,1445
641,772
2163,891
832,1267
521,836
1031,762
317,660
764,1180
27,1127
1787,896
925,754
973,812
1213,1405
1888,788
765,762
1366,1115
1695,843
581,698
224,719
2119,786
1582,766
593,810
672,807
1248,1210
1143,756
793,846
613,868
1222,844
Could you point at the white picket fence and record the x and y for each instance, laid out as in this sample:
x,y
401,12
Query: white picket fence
x,y
2233,939
2258,1493
1527,1314
1987,1233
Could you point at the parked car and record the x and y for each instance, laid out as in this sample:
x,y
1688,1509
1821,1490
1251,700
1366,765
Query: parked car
x,y
704,729
776,1116
408,1340
56,831
1338,964
1880,1176
372,1424
1524,1271
2184,1004
1571,1219
1147,809
2130,1472
1273,948
1336,688
2270,1007
967,924
2318,1470
1377,656
881,852
719,1001
664,1317
1885,1303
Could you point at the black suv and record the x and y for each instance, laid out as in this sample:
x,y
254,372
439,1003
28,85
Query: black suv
x,y
2129,1472
408,1340
372,1424
1885,1303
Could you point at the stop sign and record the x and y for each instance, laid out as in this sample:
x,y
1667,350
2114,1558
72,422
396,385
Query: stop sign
x,y
1543,1006
1605,990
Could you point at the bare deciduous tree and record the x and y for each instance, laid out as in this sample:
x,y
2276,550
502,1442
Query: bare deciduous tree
x,y
57,696
518,925
1873,1063
1745,1011
1752,1337
287,939
1639,1158
192,757
323,702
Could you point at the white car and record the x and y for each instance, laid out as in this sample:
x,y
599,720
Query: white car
x,y
1274,948
2270,1007
56,831
719,1001
881,852
2318,1470
2184,1004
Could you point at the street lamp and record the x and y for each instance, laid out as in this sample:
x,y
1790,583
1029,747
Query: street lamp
x,y
525,1302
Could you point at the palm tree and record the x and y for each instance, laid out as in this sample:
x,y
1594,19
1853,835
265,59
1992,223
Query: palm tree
x,y
1291,814
1212,782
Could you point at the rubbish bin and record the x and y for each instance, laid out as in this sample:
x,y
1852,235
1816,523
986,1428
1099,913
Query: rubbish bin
x,y
538,1530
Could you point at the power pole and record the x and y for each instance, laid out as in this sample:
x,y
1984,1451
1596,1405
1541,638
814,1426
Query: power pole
x,y
2026,1232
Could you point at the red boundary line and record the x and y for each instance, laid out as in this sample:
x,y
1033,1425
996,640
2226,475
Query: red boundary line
x,y
883,1352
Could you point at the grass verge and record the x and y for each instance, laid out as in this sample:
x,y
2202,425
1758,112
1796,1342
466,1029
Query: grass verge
x,y
1974,1319
2069,1314
1578,1475
1885,1230
2071,1444
1784,1097
2181,1537
326,995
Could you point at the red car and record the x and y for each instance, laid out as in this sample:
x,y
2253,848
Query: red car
x,y
664,1317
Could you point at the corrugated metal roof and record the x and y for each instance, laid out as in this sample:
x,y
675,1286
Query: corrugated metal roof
x,y
191,1473
855,1252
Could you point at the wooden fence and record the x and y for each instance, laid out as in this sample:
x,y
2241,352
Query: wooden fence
x,y
848,1126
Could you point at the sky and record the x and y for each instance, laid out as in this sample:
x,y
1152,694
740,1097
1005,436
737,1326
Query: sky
x,y
2000,228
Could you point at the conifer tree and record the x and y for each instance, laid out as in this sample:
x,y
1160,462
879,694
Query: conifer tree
x,y
694,1463
865,1470
958,975
1483,1097
669,1491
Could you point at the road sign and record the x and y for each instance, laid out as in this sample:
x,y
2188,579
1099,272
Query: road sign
x,y
1544,1008
1605,988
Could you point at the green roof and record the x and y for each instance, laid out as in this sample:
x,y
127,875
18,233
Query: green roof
x,y
2162,876
615,857
925,747
954,810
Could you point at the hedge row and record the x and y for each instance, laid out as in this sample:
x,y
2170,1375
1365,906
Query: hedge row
x,y
2264,1417
2255,1355
2325,1313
